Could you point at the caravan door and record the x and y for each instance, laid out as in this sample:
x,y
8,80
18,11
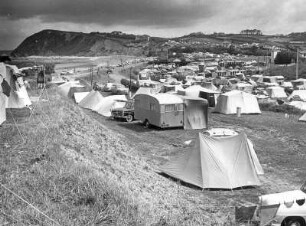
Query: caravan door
x,y
172,115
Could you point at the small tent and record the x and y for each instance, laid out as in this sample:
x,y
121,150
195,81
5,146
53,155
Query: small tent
x,y
276,92
79,96
91,100
105,106
216,162
230,101
303,117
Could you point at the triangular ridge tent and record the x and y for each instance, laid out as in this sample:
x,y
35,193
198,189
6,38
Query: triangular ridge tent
x,y
195,113
276,92
18,97
77,89
91,100
298,104
298,95
303,117
65,88
78,97
230,101
108,103
216,162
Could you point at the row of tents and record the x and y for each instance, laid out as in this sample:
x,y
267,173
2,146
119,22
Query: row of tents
x,y
87,98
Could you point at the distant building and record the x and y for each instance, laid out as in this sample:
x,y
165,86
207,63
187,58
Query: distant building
x,y
116,33
251,32
142,38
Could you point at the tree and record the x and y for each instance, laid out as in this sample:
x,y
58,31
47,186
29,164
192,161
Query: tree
x,y
284,57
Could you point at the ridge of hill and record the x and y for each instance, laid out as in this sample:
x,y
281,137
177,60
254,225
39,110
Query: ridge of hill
x,y
67,43
64,43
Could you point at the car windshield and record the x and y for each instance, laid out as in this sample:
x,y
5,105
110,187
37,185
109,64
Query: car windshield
x,y
129,105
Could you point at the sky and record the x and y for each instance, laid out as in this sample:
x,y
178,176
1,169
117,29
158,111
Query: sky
x,y
164,18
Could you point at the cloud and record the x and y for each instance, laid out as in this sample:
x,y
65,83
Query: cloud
x,y
168,18
159,13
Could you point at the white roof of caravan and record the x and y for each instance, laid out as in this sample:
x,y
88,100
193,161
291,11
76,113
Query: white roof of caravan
x,y
166,98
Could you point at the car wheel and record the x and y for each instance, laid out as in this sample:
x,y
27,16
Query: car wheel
x,y
294,222
146,123
129,118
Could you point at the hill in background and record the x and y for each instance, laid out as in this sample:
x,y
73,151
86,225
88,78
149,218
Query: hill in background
x,y
63,43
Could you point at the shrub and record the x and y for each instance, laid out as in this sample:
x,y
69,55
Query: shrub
x,y
284,108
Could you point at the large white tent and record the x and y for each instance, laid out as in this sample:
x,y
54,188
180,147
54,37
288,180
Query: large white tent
x,y
298,95
105,106
64,89
79,96
217,162
276,92
91,100
230,101
18,97
2,103
303,117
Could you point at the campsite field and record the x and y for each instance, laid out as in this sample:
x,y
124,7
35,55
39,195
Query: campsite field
x,y
81,168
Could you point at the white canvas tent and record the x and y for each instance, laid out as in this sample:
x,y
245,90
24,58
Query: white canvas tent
x,y
303,117
276,92
108,103
2,103
217,162
230,101
18,97
298,95
195,113
298,104
65,88
78,97
91,100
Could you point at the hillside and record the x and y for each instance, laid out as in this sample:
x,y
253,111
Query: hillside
x,y
63,43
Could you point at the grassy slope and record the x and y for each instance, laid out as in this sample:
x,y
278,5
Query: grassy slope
x,y
43,171
79,172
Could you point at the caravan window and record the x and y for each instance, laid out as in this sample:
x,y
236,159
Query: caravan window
x,y
179,107
169,107
152,107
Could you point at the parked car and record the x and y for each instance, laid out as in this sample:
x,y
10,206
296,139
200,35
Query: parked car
x,y
127,112
283,209
119,89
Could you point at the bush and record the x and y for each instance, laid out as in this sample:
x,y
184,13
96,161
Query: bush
x,y
284,108
179,77
126,83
